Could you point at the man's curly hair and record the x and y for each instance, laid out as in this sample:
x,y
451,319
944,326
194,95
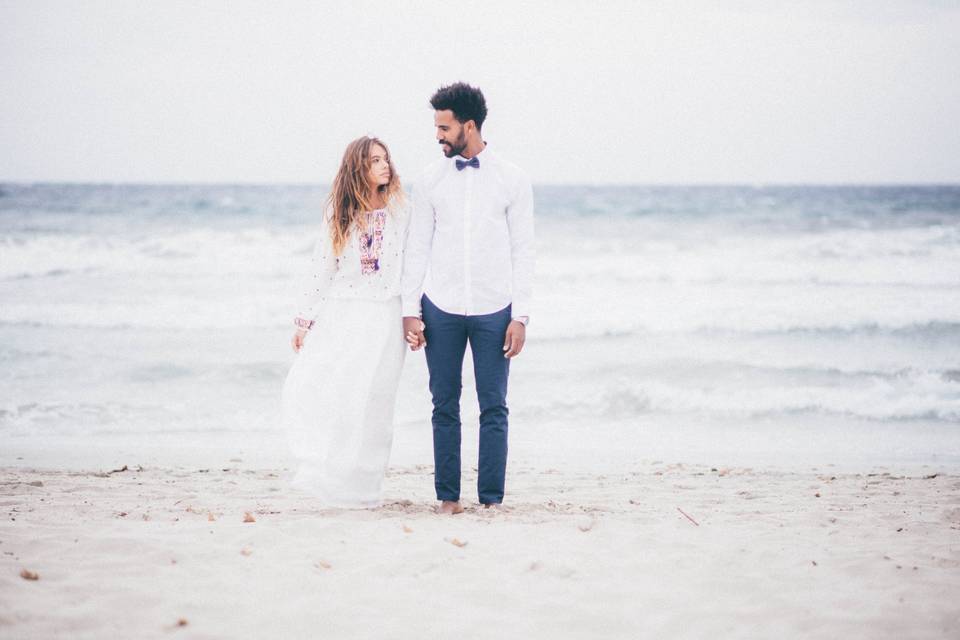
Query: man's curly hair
x,y
464,101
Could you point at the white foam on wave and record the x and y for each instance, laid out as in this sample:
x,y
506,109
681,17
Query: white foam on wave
x,y
632,317
193,252
588,284
915,395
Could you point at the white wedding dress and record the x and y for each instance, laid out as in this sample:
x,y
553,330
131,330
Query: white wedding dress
x,y
338,398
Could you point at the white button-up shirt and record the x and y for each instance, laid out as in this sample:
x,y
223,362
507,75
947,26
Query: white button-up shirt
x,y
470,246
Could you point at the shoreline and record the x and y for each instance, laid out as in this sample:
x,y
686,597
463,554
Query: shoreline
x,y
602,446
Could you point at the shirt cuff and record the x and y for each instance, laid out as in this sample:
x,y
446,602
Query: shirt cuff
x,y
524,320
411,309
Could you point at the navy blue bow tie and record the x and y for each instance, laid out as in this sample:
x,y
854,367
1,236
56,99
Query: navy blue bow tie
x,y
472,162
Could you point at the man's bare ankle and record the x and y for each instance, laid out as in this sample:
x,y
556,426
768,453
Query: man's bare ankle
x,y
451,507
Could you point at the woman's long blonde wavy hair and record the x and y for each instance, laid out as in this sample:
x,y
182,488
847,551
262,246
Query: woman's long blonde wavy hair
x,y
351,193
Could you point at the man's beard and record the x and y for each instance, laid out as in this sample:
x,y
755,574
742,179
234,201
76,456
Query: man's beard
x,y
456,147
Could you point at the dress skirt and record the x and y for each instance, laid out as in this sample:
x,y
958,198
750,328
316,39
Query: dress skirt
x,y
338,401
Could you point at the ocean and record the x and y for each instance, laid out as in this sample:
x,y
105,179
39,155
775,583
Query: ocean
x,y
807,323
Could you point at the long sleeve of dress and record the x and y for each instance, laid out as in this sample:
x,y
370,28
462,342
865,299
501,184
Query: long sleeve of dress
x,y
320,275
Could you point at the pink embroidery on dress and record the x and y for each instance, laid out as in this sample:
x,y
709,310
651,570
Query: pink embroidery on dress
x,y
371,242
303,323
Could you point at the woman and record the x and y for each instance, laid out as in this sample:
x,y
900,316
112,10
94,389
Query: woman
x,y
338,398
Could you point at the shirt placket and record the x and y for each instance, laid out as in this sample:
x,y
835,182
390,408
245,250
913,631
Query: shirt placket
x,y
467,217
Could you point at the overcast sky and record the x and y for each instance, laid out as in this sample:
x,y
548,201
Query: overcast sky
x,y
578,92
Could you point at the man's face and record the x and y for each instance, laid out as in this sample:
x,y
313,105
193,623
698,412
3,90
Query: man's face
x,y
449,133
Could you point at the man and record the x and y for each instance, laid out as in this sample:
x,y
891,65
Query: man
x,y
472,229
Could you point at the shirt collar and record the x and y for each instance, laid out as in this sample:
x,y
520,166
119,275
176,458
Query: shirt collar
x,y
485,154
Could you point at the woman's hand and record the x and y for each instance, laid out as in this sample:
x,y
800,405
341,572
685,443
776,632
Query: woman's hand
x,y
297,340
413,332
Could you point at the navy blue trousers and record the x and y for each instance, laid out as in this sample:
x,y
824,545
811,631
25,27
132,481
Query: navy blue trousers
x,y
447,337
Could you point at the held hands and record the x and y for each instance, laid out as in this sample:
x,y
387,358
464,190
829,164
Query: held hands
x,y
516,336
513,343
413,332
297,341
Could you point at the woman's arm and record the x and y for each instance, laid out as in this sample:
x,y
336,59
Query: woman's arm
x,y
320,274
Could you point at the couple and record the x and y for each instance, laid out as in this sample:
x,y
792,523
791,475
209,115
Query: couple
x,y
456,264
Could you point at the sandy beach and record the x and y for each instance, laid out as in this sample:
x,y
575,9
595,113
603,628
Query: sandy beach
x,y
667,549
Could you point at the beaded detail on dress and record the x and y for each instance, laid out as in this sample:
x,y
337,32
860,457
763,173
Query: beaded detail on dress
x,y
371,242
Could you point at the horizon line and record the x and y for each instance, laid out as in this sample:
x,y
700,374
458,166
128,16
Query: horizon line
x,y
219,183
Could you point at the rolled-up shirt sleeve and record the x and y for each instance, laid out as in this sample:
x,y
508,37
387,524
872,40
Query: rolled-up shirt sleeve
x,y
522,247
416,254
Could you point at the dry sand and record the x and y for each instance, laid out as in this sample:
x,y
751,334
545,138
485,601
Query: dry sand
x,y
163,551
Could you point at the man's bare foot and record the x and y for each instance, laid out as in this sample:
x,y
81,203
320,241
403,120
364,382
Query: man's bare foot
x,y
450,507
496,506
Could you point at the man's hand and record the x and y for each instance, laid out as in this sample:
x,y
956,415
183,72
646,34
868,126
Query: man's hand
x,y
413,332
516,336
297,340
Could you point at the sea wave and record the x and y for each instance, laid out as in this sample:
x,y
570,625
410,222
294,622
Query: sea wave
x,y
250,252
154,308
60,417
872,396
933,330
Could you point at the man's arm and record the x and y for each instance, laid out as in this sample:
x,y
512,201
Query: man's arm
x,y
416,257
523,260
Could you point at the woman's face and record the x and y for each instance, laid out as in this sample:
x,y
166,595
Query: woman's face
x,y
379,174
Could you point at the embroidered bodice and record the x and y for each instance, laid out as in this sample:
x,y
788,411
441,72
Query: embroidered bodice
x,y
368,268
